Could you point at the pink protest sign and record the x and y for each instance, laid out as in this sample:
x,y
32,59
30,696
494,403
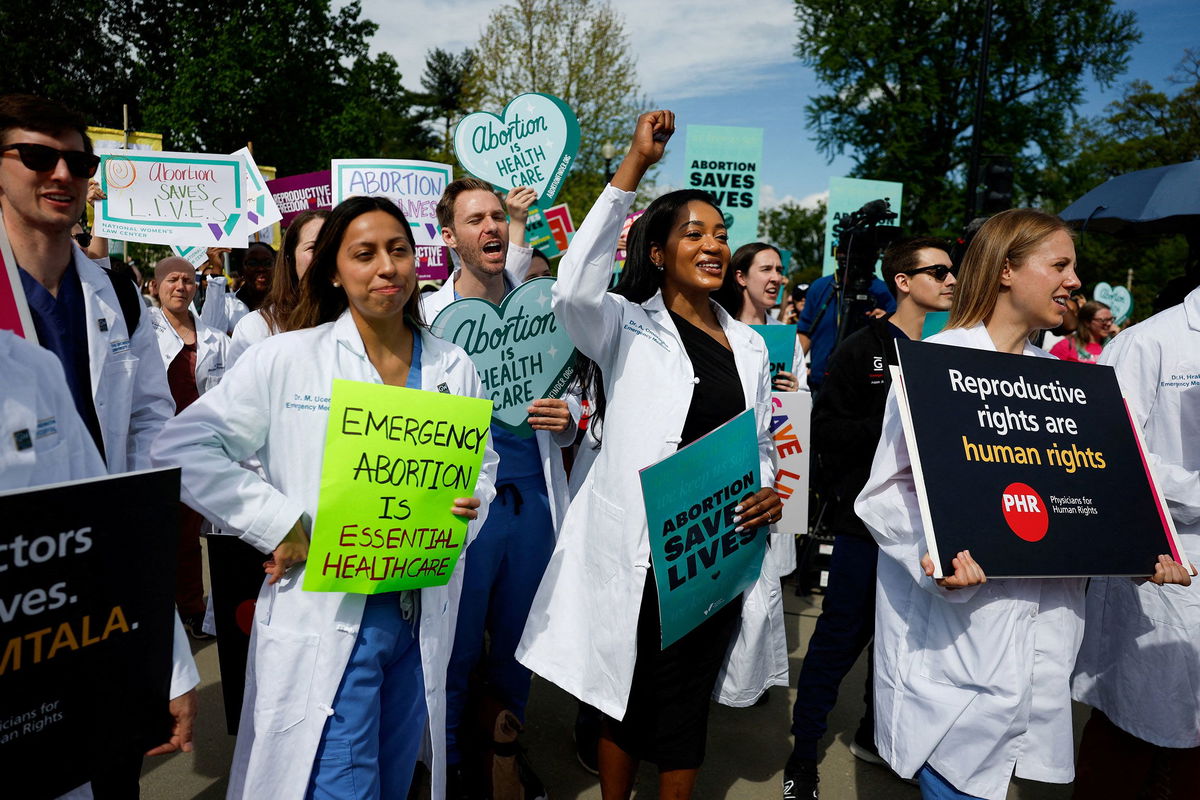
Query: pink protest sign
x,y
297,193
14,310
433,263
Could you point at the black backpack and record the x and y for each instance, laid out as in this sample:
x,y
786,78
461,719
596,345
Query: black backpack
x,y
130,300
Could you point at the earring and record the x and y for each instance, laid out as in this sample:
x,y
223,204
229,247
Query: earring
x,y
336,285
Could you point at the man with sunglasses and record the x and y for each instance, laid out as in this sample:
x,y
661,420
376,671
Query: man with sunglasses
x,y
846,422
116,377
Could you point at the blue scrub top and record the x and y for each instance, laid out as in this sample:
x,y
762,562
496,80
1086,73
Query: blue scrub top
x,y
825,333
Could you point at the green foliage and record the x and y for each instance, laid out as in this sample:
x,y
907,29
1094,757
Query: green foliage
x,y
790,226
576,50
1146,128
902,75
444,81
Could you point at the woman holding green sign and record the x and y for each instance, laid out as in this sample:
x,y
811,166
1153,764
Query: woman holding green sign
x,y
669,367
342,688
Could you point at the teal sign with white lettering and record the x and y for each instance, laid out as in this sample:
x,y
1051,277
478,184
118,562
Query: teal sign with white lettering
x,y
701,560
781,346
521,352
533,143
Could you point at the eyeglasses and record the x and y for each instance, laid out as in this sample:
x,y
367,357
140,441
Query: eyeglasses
x,y
40,158
938,271
1105,321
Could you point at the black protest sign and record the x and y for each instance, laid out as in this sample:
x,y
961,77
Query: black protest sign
x,y
87,610
1033,464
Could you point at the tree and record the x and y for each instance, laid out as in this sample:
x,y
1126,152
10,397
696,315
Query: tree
x,y
444,80
66,51
576,50
902,75
1146,128
291,76
791,226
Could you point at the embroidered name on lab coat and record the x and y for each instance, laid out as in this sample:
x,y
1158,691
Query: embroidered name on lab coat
x,y
639,329
119,346
48,426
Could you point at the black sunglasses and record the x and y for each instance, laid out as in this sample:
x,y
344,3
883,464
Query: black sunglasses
x,y
40,158
939,272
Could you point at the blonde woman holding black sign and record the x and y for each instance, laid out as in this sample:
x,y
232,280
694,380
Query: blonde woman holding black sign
x,y
671,366
972,678
342,690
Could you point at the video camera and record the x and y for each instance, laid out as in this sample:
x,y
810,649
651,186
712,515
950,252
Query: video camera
x,y
861,240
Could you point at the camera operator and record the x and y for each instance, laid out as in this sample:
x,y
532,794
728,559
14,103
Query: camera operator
x,y
839,304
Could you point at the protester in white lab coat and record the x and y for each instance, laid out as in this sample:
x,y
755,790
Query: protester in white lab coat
x,y
342,689
1139,665
80,314
750,292
972,677
291,263
594,628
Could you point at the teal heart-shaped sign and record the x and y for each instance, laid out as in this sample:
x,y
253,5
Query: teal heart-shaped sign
x,y
521,352
533,144
1118,299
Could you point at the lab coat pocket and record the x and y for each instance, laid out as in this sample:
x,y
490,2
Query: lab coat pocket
x,y
974,644
604,541
284,663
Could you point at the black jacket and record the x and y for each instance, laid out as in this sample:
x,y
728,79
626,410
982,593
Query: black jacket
x,y
847,420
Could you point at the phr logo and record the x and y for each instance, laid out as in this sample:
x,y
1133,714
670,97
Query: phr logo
x,y
1024,511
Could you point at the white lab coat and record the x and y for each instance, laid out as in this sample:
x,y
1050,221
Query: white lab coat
x,y
975,681
211,348
1140,659
301,640
250,330
129,389
549,445
581,632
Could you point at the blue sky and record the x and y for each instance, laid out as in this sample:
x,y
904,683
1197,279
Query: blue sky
x,y
714,67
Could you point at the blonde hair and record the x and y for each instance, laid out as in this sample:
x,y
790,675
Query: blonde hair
x,y
1007,238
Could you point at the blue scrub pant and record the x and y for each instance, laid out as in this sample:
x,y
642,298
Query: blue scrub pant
x,y
845,627
935,787
370,744
504,565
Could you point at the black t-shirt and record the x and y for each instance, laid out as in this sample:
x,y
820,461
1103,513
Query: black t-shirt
x,y
718,396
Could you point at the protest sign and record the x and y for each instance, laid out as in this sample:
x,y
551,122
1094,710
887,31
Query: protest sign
x,y
561,225
14,308
847,195
395,461
297,193
87,619
781,346
725,162
791,413
261,211
1033,464
172,198
1118,299
196,256
533,143
701,561
414,186
539,235
521,352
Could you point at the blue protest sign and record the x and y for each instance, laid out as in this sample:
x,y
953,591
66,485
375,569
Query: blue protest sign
x,y
533,143
701,561
521,352
781,346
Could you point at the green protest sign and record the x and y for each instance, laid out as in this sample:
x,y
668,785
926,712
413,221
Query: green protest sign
x,y
521,352
395,460
701,561
533,143
726,162
781,346
847,195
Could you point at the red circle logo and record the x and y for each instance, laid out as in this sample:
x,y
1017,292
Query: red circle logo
x,y
1024,511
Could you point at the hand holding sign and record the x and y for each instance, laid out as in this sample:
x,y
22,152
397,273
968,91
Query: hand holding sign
x,y
532,144
966,571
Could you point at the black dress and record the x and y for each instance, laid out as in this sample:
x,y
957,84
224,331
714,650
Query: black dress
x,y
666,718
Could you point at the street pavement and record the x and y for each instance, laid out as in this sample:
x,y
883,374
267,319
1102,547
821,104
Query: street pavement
x,y
747,747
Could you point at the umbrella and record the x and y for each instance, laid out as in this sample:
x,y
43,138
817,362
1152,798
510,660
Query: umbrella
x,y
1149,201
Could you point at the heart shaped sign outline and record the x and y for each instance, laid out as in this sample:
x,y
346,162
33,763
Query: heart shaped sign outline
x,y
1117,298
552,166
456,316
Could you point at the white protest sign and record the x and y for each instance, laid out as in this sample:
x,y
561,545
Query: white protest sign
x,y
791,437
261,209
193,199
414,186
